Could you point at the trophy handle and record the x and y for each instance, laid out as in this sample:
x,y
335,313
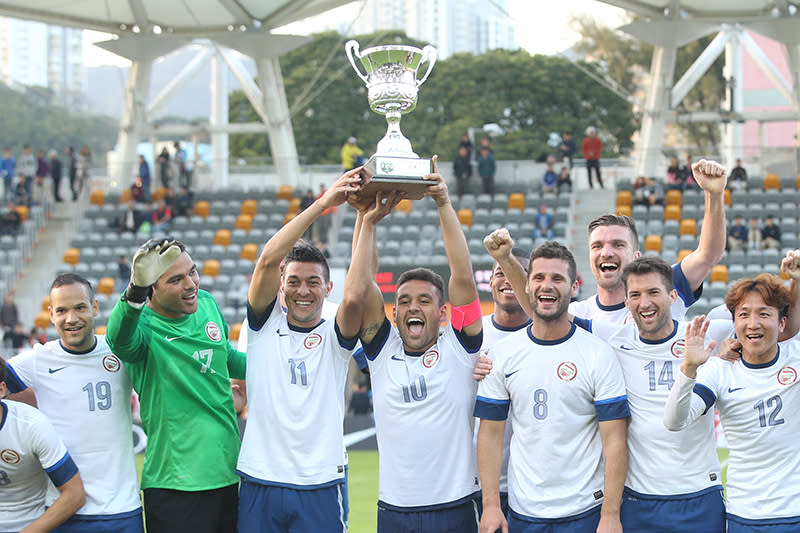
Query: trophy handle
x,y
351,47
429,55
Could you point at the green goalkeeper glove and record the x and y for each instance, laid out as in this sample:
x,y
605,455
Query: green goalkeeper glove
x,y
150,261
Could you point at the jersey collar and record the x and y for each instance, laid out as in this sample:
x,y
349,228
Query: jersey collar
x,y
542,342
615,307
79,352
763,365
506,328
665,339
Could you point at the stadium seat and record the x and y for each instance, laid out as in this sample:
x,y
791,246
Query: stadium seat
x,y
672,212
211,268
222,237
159,193
249,207
719,273
516,201
288,218
797,183
464,216
772,181
624,210
97,197
682,254
236,329
72,256
106,286
244,222
249,251
688,227
673,197
201,208
46,303
624,198
42,320
652,243
727,196
22,211
403,206
294,206
125,196
285,192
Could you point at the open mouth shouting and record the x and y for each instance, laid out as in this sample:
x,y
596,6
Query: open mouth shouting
x,y
415,326
608,267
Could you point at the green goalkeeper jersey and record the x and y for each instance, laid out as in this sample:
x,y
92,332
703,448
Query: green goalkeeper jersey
x,y
181,369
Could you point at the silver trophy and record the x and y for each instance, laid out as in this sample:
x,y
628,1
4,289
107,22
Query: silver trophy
x,y
392,87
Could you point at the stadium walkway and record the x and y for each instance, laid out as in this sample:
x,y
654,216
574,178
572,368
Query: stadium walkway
x,y
589,203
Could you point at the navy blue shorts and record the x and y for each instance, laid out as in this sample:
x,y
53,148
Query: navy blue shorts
x,y
461,518
737,524
267,509
585,522
129,523
702,511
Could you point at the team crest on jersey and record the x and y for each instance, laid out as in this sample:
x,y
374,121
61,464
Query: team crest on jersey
x,y
9,456
430,358
567,371
213,331
678,348
312,341
111,363
787,375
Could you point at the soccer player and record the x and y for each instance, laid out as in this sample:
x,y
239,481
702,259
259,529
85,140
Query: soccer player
x,y
173,340
614,242
30,452
422,382
292,461
757,398
84,390
566,396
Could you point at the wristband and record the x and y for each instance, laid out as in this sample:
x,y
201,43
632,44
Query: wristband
x,y
462,316
135,294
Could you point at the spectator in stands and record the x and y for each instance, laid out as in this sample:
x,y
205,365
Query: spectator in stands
x,y
179,158
10,220
144,175
465,143
124,270
184,202
564,183
550,178
771,234
685,176
673,170
130,219
9,314
162,216
55,173
84,160
738,178
487,166
655,191
544,224
462,169
592,149
737,234
641,194
17,338
21,191
137,190
72,168
27,167
305,202
163,167
321,227
351,154
486,142
567,148
8,165
42,174
754,235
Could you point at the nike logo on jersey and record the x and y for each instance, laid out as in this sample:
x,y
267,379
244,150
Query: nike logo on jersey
x,y
734,390
281,334
170,339
396,358
622,346
512,373
54,370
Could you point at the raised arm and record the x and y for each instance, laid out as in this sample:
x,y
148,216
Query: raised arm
x,y
499,245
265,284
711,177
461,287
791,267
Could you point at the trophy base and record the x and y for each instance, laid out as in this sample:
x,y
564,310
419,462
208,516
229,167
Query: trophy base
x,y
395,173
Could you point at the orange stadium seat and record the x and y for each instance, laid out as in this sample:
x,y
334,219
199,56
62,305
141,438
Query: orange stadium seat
x,y
624,210
249,207
688,227
672,212
624,198
22,211
249,252
719,273
46,303
727,195
404,205
285,192
72,256
288,218
797,182
772,181
97,197
159,193
125,196
211,268
100,330
244,222
652,243
516,200
222,237
201,209
106,286
236,329
682,254
465,217
294,206
42,320
673,197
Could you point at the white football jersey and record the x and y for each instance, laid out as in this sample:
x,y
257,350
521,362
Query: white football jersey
x,y
87,397
329,310
557,392
423,416
295,392
758,406
30,451
592,309
650,368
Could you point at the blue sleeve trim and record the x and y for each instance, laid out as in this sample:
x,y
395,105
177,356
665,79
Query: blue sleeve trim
x,y
491,409
14,382
257,322
583,323
62,471
471,343
344,342
681,285
372,348
361,360
612,408
706,394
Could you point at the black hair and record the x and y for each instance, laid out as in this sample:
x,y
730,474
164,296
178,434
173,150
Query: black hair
x,y
424,274
556,250
306,253
70,278
646,265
